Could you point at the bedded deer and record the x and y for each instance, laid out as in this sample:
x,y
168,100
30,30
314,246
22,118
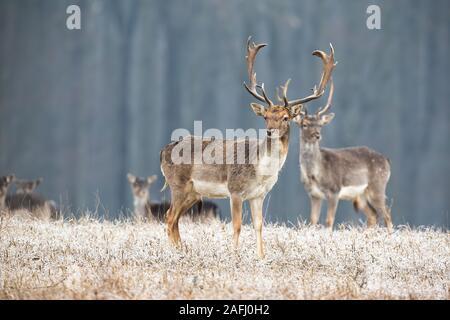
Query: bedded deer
x,y
358,174
145,209
26,199
250,179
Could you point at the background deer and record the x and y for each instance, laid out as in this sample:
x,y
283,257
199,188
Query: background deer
x,y
250,180
5,183
27,186
26,199
145,209
358,174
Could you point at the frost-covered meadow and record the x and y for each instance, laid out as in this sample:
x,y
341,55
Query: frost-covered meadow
x,y
89,259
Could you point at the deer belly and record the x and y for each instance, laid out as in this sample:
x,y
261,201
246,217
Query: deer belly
x,y
351,192
211,189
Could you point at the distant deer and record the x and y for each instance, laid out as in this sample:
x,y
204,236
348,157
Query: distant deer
x,y
145,209
5,183
27,186
25,198
249,180
358,174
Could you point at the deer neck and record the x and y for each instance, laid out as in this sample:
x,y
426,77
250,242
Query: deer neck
x,y
270,146
274,151
310,157
140,206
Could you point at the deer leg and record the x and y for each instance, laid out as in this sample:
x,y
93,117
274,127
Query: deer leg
x,y
379,204
256,206
236,216
331,211
172,225
178,207
371,216
361,203
316,206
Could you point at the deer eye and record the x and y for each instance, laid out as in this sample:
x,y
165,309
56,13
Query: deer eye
x,y
285,118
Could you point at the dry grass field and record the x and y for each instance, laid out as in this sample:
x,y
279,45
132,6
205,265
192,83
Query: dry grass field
x,y
89,259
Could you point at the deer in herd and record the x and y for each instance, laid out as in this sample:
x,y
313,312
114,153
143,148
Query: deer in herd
x,y
250,179
358,174
27,186
25,198
146,209
5,183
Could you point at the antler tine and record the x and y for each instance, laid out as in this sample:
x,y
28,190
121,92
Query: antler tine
x,y
266,99
280,99
252,51
284,90
326,107
328,66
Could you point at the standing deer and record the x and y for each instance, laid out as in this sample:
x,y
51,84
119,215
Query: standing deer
x,y
358,174
239,181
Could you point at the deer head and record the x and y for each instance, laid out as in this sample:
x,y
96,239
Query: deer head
x,y
278,116
5,182
140,186
27,186
311,124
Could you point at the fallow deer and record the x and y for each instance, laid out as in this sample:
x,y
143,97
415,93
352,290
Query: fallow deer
x,y
145,209
27,186
358,174
26,199
5,183
239,181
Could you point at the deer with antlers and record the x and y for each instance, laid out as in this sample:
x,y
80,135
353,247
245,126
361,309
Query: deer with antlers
x,y
250,179
358,174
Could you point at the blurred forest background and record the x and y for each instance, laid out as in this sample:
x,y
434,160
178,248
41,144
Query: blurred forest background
x,y
83,108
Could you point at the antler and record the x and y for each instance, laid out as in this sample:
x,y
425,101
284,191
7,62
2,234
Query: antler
x,y
252,51
284,93
328,66
325,108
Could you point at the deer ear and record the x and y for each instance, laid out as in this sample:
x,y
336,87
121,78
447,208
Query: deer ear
x,y
326,118
299,118
258,109
131,178
152,179
295,111
10,178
